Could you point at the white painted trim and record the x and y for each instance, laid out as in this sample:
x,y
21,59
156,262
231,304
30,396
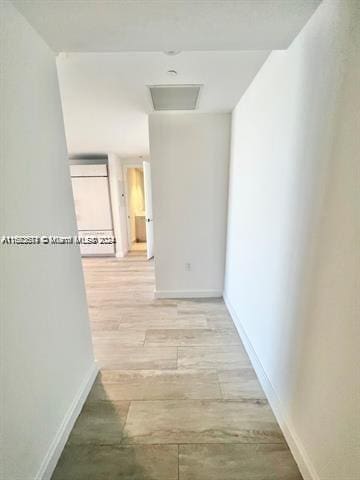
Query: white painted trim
x,y
125,168
187,293
57,445
302,459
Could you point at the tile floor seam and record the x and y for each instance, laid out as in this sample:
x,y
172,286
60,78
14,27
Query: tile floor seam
x,y
157,444
192,400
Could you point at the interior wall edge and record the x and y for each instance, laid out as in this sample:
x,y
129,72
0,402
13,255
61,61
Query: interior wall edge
x,y
57,445
300,455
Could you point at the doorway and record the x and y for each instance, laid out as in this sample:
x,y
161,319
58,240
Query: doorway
x,y
135,205
139,208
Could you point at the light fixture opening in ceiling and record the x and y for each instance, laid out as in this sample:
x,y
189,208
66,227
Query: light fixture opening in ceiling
x,y
175,97
172,52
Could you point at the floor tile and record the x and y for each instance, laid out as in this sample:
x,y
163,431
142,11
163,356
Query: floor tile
x,y
236,462
164,322
98,462
139,358
101,314
100,422
220,321
193,337
158,384
151,309
219,357
196,421
202,305
240,383
109,341
105,325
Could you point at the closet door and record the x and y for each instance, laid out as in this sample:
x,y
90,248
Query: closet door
x,y
93,213
92,203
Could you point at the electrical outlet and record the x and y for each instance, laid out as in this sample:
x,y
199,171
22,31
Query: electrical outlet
x,y
187,267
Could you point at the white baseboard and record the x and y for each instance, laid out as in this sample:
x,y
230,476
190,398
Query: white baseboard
x,y
57,445
303,461
188,293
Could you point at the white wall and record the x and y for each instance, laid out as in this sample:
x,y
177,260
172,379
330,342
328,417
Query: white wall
x,y
292,247
47,360
118,204
189,161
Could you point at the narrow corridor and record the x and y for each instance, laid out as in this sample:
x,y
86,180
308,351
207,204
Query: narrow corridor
x,y
176,397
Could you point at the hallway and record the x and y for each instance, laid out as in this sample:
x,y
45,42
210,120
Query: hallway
x,y
176,397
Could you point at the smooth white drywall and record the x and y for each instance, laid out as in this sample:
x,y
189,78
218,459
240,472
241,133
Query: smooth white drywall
x,y
106,100
155,26
46,343
189,162
292,266
118,205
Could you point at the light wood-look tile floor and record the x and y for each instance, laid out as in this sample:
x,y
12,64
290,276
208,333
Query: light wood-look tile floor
x,y
177,398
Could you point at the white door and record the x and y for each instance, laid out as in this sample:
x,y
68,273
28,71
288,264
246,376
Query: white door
x,y
148,211
93,214
92,203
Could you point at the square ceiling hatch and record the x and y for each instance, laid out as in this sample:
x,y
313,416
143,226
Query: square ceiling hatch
x,y
175,97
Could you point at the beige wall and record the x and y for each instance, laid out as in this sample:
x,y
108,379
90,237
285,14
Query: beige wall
x,y
293,266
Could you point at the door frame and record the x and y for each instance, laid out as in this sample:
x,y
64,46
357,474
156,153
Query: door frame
x,y
149,214
126,191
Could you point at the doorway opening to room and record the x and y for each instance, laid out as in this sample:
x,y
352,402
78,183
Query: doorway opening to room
x,y
139,208
113,204
135,208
